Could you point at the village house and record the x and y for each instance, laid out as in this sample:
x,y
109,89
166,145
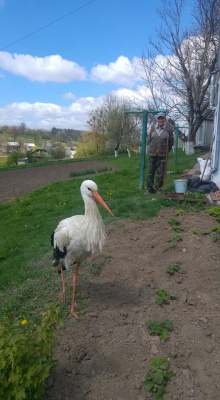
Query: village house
x,y
215,103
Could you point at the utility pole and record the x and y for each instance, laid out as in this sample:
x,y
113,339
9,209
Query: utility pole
x,y
145,114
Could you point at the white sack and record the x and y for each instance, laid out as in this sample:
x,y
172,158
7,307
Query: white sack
x,y
207,173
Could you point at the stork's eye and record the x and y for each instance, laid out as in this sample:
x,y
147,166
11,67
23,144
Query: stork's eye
x,y
89,189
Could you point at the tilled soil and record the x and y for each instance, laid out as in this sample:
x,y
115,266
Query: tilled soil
x,y
17,182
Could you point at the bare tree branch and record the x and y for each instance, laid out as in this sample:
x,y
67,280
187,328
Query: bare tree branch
x,y
179,63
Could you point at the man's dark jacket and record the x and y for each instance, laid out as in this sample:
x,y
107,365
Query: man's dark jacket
x,y
157,145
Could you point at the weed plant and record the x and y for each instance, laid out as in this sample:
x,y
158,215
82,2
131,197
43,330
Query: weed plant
x,y
216,236
162,297
176,238
214,212
158,376
172,268
175,225
160,328
26,356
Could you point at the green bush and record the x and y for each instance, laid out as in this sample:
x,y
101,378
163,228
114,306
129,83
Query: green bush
x,y
12,159
26,356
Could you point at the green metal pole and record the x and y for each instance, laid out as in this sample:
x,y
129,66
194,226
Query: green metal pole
x,y
176,145
143,143
143,148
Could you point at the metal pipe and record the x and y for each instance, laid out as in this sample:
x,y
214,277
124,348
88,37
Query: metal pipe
x,y
217,146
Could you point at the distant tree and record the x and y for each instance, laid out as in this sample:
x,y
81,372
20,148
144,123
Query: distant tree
x,y
58,151
22,128
91,145
66,134
179,62
54,131
62,136
120,128
110,123
35,135
97,135
13,158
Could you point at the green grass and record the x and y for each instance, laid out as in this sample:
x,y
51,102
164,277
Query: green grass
x,y
27,280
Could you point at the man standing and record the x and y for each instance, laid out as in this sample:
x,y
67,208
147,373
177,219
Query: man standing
x,y
159,141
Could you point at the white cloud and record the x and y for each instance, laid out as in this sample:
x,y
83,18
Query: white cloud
x,y
54,68
51,68
48,115
121,72
69,96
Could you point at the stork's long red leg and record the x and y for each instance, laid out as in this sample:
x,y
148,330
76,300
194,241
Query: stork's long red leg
x,y
63,284
75,277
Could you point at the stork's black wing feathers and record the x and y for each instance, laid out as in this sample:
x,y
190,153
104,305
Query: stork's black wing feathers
x,y
57,253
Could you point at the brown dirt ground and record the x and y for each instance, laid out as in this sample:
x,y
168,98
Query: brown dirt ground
x,y
17,182
104,355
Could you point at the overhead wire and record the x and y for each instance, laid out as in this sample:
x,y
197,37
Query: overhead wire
x,y
49,24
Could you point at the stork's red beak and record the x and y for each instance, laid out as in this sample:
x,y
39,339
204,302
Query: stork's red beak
x,y
98,198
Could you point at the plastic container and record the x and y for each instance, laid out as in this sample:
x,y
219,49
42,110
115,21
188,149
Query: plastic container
x,y
205,164
180,185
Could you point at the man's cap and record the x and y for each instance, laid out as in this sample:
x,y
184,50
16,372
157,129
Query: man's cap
x,y
161,114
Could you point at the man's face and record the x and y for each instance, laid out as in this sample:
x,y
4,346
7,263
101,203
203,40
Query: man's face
x,y
160,121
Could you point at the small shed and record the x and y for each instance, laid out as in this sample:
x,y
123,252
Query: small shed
x,y
22,161
40,154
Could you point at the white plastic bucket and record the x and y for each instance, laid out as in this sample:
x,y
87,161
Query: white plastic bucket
x,y
180,185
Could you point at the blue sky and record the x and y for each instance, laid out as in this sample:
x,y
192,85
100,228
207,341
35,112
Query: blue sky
x,y
57,75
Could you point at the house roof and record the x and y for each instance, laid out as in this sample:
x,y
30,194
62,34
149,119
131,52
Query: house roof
x,y
12,143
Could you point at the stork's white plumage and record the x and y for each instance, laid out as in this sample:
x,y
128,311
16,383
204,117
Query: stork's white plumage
x,y
78,237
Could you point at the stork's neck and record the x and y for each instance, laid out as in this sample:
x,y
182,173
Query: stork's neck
x,y
91,209
92,225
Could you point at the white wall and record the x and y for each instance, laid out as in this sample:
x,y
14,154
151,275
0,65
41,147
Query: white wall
x,y
215,162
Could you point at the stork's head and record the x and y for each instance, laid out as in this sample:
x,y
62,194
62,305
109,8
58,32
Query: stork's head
x,y
90,189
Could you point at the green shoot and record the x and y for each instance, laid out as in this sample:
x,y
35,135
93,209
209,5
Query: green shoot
x,y
194,231
174,222
157,377
160,328
172,268
162,297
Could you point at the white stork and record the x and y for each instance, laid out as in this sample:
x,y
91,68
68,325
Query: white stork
x,y
78,237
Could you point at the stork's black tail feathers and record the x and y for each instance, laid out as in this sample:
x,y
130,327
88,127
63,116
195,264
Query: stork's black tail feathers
x,y
57,253
52,239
